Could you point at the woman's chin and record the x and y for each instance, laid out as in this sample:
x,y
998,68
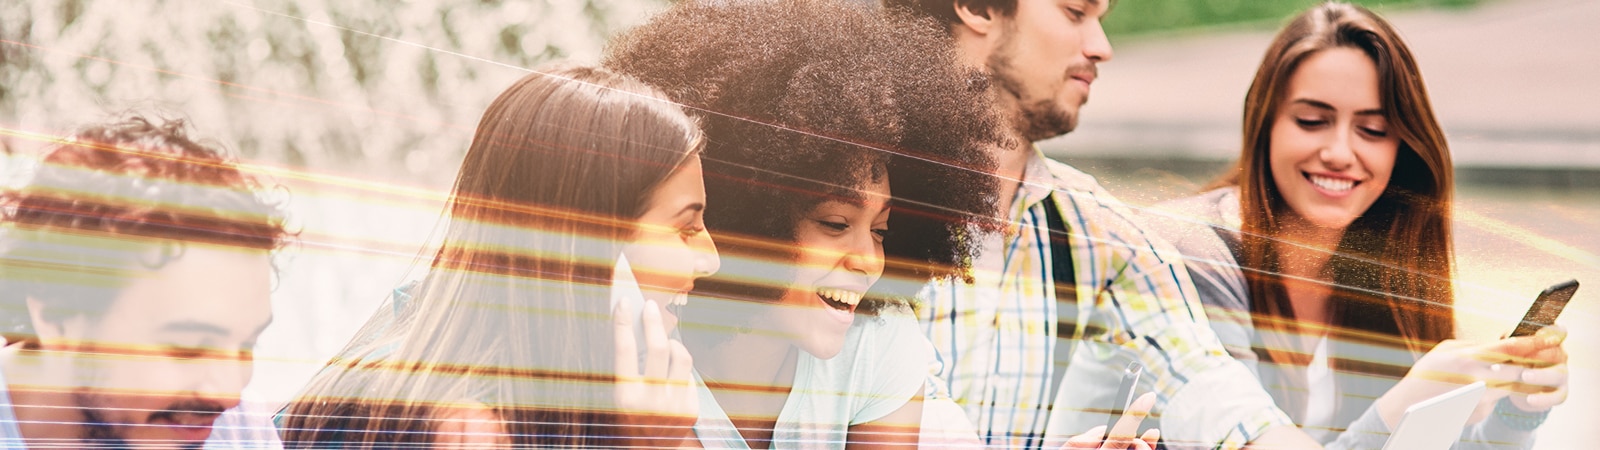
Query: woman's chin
x,y
823,347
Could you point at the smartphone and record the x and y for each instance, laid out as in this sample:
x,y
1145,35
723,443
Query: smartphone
x,y
1125,394
1546,308
628,298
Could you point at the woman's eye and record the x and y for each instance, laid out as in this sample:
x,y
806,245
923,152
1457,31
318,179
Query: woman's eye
x,y
186,352
880,233
1309,123
835,226
689,232
1375,132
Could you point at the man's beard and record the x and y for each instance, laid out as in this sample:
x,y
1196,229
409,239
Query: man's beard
x,y
1034,119
100,432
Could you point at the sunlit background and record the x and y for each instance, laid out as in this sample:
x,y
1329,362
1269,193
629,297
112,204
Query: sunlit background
x,y
362,110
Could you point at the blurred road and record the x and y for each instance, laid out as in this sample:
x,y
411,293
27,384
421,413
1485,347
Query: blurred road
x,y
1515,83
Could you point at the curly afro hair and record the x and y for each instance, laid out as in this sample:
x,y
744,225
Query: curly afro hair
x,y
804,101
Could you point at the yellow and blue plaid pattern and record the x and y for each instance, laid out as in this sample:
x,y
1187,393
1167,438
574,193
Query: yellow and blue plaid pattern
x,y
999,354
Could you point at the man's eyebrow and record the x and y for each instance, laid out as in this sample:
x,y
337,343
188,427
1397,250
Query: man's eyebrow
x,y
194,326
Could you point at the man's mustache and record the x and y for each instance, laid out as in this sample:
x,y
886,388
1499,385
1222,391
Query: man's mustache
x,y
195,408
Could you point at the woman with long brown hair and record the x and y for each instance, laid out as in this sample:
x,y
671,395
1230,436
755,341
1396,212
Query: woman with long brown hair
x,y
510,338
1325,257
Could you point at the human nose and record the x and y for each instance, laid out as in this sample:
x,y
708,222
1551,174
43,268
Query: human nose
x,y
223,380
1338,154
864,254
1096,45
706,259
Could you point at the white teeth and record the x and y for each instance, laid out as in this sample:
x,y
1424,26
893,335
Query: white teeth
x,y
1332,184
840,295
681,299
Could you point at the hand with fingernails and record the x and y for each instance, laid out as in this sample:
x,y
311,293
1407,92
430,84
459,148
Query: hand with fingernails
x,y
1531,370
1122,434
657,403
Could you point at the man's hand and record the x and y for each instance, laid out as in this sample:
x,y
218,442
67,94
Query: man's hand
x,y
1121,435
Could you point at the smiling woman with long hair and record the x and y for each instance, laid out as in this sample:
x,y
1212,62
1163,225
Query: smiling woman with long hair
x,y
509,338
1325,257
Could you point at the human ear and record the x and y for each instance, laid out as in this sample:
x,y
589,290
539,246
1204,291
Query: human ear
x,y
975,18
48,324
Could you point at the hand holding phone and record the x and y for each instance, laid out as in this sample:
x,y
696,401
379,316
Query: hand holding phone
x,y
654,391
627,299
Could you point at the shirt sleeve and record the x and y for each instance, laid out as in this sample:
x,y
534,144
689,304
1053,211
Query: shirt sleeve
x,y
1148,306
900,358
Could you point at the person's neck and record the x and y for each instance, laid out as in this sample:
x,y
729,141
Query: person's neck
x,y
754,358
46,413
1303,251
1011,168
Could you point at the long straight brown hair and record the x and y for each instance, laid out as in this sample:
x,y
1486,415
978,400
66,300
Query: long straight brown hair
x,y
514,314
1393,267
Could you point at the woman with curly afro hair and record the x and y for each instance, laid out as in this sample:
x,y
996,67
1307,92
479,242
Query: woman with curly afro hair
x,y
845,167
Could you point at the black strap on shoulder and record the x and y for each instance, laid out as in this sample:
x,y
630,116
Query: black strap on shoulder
x,y
1060,253
1066,288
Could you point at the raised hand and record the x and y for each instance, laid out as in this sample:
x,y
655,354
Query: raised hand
x,y
657,403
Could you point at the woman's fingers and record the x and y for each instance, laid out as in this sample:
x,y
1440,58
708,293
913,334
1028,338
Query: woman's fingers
x,y
658,352
627,357
1554,379
681,382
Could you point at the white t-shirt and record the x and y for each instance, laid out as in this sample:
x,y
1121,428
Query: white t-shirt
x,y
882,365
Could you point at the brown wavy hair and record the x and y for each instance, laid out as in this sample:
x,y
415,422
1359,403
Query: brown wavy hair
x,y
1393,267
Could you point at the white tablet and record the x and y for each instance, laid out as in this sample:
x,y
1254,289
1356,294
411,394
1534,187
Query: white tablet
x,y
1436,423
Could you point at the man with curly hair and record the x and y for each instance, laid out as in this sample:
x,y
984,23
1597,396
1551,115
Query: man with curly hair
x,y
142,260
1076,289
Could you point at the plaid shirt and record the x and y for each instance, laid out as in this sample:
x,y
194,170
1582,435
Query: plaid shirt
x,y
999,350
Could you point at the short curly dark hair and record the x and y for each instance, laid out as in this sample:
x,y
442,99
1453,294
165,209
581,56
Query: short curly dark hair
x,y
945,10
128,178
803,101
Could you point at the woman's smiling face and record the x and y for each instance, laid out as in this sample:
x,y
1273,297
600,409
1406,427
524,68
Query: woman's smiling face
x,y
1332,149
672,247
840,246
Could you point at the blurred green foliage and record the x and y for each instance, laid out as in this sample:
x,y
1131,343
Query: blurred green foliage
x,y
1135,17
381,86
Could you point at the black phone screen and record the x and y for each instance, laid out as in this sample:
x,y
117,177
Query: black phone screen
x,y
1546,308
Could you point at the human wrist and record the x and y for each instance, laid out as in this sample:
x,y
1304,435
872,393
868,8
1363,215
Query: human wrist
x,y
1515,417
